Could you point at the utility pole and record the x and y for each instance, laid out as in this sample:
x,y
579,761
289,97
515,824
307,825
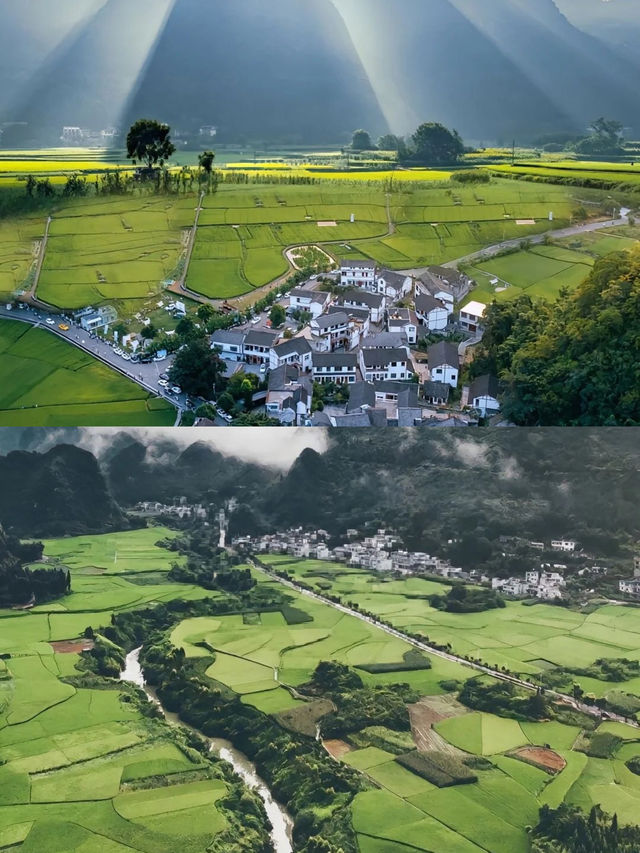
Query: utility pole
x,y
513,154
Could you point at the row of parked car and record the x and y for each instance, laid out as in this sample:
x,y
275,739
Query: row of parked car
x,y
165,382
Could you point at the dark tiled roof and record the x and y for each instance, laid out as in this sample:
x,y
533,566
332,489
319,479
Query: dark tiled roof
x,y
328,321
260,339
364,263
484,386
376,357
335,359
425,303
444,353
437,390
363,297
299,346
227,336
361,394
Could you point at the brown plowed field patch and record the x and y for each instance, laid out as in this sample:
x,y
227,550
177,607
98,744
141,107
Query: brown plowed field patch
x,y
542,757
66,647
336,748
425,714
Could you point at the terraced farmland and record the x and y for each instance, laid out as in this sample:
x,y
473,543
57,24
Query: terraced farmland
x,y
116,250
525,639
81,768
245,229
45,381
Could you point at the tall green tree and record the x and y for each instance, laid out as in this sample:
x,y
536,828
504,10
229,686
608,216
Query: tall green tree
x,y
205,161
436,145
361,141
149,141
198,370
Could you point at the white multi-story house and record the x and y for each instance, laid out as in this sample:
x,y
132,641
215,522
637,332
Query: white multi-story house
x,y
432,312
630,587
229,343
258,346
403,321
563,544
338,367
289,396
296,351
374,303
314,301
331,332
360,273
472,316
444,363
359,324
386,364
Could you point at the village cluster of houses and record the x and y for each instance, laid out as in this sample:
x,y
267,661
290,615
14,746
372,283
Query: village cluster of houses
x,y
362,337
379,552
632,586
180,508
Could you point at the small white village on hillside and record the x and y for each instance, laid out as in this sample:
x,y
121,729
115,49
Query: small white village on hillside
x,y
381,552
362,333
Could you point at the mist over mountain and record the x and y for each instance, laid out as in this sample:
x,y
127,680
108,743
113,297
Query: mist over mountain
x,y
56,493
429,485
313,71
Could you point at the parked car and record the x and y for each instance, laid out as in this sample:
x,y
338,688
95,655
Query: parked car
x,y
176,389
63,327
50,322
163,383
164,376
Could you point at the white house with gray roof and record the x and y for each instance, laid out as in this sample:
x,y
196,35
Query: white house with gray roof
x,y
359,273
257,346
373,302
483,395
433,313
315,302
394,285
385,364
444,363
229,343
338,367
296,351
331,332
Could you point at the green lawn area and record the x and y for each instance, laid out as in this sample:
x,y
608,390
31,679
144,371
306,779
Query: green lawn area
x,y
45,381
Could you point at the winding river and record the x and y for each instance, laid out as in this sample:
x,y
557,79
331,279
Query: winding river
x,y
281,821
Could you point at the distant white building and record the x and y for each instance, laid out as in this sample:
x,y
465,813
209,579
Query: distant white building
x,y
564,545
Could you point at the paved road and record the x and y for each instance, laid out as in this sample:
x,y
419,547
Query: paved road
x,y
145,375
534,239
485,670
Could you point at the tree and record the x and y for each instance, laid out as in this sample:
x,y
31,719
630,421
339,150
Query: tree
x,y
252,419
436,145
205,313
31,185
361,141
149,141
149,332
606,138
44,188
278,316
198,370
205,161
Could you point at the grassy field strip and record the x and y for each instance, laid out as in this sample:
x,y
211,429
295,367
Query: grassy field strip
x,y
46,381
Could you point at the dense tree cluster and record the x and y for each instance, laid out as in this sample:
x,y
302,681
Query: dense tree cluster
x,y
569,830
20,584
465,599
504,699
574,362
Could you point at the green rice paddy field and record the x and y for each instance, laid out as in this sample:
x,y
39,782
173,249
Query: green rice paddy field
x,y
543,271
244,229
77,765
525,639
121,249
45,381
409,813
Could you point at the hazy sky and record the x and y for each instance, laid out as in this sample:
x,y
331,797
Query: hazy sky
x,y
275,448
